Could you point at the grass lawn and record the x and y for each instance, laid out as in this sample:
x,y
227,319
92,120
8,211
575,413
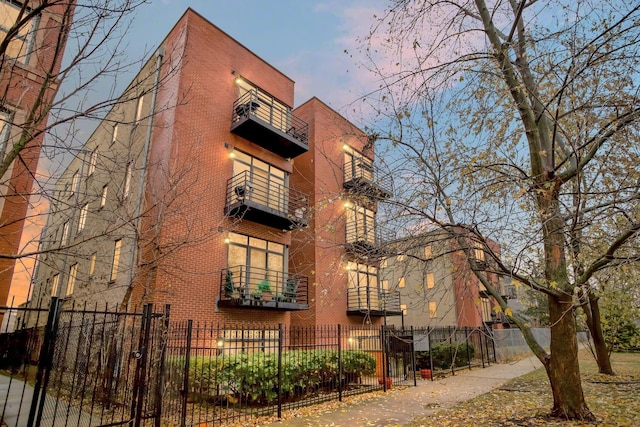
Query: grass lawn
x,y
526,401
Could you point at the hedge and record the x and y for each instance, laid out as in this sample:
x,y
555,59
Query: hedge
x,y
253,377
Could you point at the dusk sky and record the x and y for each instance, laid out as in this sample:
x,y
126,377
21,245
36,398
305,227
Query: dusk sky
x,y
304,39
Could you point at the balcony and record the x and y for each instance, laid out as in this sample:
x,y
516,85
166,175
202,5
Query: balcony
x,y
260,200
373,302
361,177
366,241
268,123
252,287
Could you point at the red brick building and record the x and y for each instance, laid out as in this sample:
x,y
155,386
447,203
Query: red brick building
x,y
209,192
32,52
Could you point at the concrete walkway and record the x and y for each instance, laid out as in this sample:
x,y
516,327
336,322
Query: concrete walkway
x,y
16,397
401,406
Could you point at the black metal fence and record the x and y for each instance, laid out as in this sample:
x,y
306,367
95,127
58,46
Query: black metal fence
x,y
92,367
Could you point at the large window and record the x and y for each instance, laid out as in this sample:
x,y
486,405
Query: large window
x,y
357,166
360,224
363,284
262,183
269,108
258,260
21,44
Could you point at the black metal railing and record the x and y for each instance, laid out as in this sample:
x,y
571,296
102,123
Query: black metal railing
x,y
373,300
272,112
247,285
106,367
368,234
259,192
364,177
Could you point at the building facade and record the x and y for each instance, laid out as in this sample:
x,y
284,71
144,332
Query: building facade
x,y
436,284
204,189
32,54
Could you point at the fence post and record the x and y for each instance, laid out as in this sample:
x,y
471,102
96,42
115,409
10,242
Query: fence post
x,y
280,370
339,363
480,338
451,354
466,340
413,358
430,352
164,338
44,364
140,386
185,384
385,370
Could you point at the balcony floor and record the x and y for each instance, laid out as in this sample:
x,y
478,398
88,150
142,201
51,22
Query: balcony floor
x,y
284,144
249,210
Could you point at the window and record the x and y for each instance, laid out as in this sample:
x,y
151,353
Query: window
x,y
486,309
114,134
430,280
433,309
116,260
139,108
363,286
427,252
55,283
357,166
384,284
92,264
127,181
103,196
403,307
65,233
383,263
92,162
21,44
271,110
360,224
5,126
478,251
75,180
257,260
401,257
83,217
71,283
401,282
260,182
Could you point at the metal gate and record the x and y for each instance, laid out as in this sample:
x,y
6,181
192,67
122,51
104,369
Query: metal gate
x,y
83,367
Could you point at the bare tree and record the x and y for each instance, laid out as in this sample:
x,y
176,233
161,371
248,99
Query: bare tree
x,y
517,122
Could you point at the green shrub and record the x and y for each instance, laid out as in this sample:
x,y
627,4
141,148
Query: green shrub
x,y
444,354
254,377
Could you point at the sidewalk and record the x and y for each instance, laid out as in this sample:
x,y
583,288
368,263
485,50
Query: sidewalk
x,y
401,406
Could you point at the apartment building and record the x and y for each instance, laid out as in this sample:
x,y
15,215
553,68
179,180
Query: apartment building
x,y
431,273
204,189
34,46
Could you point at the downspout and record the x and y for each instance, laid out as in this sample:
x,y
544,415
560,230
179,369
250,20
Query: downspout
x,y
145,160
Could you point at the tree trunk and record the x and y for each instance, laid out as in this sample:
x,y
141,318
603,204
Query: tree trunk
x,y
562,367
595,328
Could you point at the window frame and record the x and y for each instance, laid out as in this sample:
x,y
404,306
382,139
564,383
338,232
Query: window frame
x,y
71,280
28,38
115,260
82,218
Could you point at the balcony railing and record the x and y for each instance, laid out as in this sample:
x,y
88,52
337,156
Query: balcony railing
x,y
368,240
259,199
265,121
373,301
364,178
247,286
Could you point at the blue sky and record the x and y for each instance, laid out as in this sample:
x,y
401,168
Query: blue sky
x,y
304,39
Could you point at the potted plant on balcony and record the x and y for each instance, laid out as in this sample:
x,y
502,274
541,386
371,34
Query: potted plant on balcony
x,y
230,290
265,289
